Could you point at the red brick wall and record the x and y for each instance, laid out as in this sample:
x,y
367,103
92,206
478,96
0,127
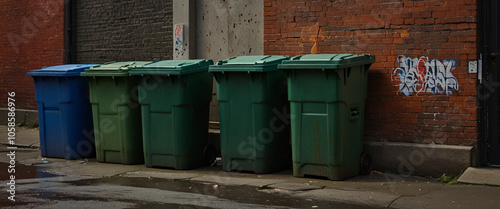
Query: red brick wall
x,y
444,30
32,36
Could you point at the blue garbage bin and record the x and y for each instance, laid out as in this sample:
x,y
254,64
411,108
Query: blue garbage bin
x,y
64,112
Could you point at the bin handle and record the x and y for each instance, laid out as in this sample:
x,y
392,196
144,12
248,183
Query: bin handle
x,y
139,66
221,62
124,66
296,57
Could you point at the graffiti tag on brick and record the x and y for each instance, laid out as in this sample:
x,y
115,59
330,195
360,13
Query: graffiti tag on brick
x,y
417,75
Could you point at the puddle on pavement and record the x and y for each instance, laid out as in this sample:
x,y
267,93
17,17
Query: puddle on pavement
x,y
241,194
166,205
23,172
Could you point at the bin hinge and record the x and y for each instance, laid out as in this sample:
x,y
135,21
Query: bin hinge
x,y
125,66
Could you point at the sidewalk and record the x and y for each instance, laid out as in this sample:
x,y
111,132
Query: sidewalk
x,y
376,190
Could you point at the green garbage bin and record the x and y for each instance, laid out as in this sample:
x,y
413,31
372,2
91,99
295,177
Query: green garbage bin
x,y
327,94
175,98
254,129
116,113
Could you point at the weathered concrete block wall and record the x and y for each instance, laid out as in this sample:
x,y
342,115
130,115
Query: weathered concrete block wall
x,y
228,28
419,89
123,30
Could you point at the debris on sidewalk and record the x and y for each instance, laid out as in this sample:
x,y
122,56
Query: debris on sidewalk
x,y
84,161
218,161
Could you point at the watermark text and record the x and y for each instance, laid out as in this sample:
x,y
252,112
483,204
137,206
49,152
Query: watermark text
x,y
11,136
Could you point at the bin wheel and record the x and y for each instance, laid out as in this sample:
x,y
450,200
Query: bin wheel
x,y
365,164
210,154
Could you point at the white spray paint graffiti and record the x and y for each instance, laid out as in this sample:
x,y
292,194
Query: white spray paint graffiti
x,y
179,40
423,75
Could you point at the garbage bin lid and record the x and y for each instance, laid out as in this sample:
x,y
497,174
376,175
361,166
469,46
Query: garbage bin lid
x,y
172,67
261,63
113,68
60,70
326,61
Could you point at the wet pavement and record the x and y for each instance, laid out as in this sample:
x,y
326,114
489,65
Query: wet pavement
x,y
127,192
58,183
22,172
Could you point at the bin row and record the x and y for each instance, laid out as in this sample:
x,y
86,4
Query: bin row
x,y
156,113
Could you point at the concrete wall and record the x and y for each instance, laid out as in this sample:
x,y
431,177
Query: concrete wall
x,y
184,36
420,159
228,28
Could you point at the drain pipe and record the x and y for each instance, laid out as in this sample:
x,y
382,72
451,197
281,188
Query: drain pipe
x,y
70,31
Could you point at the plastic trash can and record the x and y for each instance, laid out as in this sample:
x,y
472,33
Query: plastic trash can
x,y
327,94
253,106
64,112
175,98
116,112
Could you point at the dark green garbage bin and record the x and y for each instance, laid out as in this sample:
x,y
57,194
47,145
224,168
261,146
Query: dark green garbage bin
x,y
116,113
175,98
327,95
254,129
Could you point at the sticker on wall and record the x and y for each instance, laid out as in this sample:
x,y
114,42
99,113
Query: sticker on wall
x,y
417,75
179,40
